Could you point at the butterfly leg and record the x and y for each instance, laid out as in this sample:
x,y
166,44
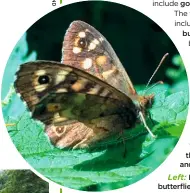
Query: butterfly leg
x,y
124,144
81,144
121,135
145,125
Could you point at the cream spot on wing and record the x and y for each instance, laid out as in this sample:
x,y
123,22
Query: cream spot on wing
x,y
108,73
61,75
101,39
77,50
61,90
87,63
59,78
93,44
57,118
67,69
40,88
82,34
40,72
79,85
94,90
101,60
95,41
64,72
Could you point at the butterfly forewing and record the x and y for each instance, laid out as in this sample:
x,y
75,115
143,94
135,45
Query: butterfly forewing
x,y
64,97
55,77
85,48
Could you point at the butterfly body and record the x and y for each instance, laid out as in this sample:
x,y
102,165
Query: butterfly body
x,y
88,98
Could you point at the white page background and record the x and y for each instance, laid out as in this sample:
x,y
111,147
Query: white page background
x,y
17,16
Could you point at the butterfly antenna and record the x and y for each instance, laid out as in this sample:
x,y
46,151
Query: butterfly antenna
x,y
161,62
159,82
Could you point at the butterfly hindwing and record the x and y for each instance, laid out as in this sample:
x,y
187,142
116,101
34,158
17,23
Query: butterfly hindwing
x,y
57,108
80,135
85,48
75,119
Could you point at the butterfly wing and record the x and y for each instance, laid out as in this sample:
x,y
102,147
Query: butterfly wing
x,y
60,96
37,79
85,48
75,118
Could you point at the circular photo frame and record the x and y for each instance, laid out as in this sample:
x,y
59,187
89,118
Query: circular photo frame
x,y
84,117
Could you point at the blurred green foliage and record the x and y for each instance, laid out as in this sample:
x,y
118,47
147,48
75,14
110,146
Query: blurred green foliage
x,y
21,181
178,72
102,167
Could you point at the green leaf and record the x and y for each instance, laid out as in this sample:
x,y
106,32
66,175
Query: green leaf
x,y
178,73
104,164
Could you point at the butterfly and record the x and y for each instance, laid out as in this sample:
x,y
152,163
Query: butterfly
x,y
86,97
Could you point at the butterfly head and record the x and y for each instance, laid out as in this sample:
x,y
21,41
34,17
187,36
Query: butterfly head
x,y
145,102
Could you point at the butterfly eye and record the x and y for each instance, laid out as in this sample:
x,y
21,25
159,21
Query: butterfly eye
x,y
43,79
82,43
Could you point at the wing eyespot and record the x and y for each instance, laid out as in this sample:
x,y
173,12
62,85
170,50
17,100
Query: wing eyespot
x,y
42,82
43,79
82,43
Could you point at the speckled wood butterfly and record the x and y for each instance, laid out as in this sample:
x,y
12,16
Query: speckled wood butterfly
x,y
85,98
